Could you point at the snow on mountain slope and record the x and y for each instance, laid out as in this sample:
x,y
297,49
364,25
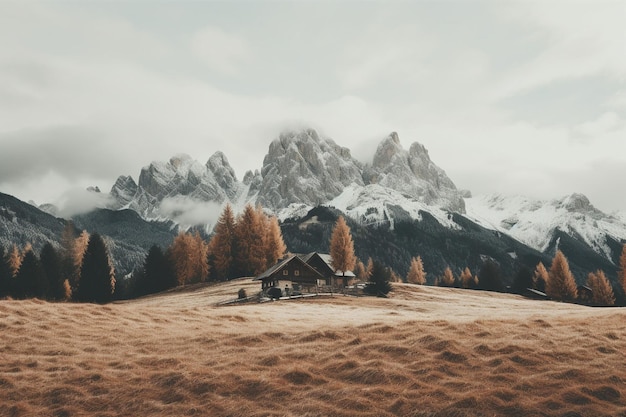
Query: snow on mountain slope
x,y
412,173
374,204
534,222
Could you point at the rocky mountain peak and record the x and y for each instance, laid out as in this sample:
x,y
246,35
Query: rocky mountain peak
x,y
123,191
223,173
303,167
389,152
413,173
577,202
181,177
179,160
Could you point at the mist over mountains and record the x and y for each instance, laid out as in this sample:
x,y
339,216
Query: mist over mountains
x,y
399,205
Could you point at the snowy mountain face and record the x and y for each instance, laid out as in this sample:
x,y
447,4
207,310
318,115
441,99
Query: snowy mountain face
x,y
301,170
535,222
180,177
375,204
413,173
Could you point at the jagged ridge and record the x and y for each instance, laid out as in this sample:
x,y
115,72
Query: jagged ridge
x,y
301,168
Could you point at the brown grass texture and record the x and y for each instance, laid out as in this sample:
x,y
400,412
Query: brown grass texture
x,y
423,352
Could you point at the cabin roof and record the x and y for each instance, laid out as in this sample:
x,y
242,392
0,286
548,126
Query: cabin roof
x,y
328,261
280,265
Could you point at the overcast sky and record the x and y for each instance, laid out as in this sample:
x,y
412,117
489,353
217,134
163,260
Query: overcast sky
x,y
514,97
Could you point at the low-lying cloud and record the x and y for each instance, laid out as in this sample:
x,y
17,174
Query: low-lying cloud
x,y
80,201
188,212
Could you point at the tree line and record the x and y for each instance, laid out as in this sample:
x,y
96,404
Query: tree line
x,y
81,268
557,282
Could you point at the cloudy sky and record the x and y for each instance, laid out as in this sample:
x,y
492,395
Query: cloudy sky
x,y
516,97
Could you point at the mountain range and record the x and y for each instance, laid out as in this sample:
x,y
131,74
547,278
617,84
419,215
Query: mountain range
x,y
401,199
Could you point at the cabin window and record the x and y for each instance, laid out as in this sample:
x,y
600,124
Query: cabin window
x,y
285,272
296,272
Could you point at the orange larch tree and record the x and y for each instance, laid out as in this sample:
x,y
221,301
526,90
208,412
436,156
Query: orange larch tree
x,y
251,256
467,279
602,292
223,245
561,285
447,279
275,245
189,256
416,273
342,247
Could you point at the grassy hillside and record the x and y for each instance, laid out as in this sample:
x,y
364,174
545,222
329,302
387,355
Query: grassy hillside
x,y
423,352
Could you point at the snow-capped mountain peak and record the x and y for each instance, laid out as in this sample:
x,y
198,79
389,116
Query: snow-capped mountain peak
x,y
534,222
413,173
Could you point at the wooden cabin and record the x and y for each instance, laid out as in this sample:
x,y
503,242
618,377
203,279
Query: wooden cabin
x,y
304,273
321,263
291,275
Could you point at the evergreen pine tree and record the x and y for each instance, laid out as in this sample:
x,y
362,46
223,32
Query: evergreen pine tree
x,y
51,264
97,281
222,246
622,268
523,279
30,280
342,247
379,284
561,285
158,274
490,277
6,275
602,292
416,273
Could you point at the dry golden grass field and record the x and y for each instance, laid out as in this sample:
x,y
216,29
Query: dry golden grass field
x,y
423,352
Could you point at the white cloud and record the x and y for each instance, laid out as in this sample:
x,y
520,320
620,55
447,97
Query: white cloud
x,y
189,212
79,201
220,51
605,124
579,39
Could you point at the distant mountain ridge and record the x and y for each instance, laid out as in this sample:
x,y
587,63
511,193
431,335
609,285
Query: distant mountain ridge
x,y
300,168
535,222
128,236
